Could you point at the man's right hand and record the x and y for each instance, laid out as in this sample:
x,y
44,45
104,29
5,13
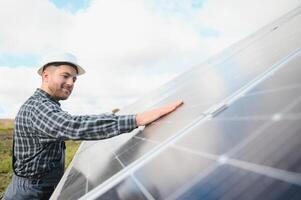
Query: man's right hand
x,y
152,115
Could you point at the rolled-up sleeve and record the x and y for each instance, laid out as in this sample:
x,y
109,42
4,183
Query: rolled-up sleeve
x,y
50,121
126,123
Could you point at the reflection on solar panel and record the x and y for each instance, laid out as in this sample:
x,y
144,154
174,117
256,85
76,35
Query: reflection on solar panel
x,y
236,137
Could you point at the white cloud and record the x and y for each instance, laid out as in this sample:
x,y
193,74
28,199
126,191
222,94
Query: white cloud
x,y
16,85
236,19
32,26
127,47
128,34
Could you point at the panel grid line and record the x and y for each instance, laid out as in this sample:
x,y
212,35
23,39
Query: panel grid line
x,y
139,185
279,174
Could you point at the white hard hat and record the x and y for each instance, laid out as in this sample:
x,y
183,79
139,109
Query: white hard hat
x,y
60,57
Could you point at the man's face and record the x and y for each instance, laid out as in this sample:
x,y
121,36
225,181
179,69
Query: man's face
x,y
60,81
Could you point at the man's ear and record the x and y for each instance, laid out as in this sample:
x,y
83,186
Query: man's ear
x,y
45,75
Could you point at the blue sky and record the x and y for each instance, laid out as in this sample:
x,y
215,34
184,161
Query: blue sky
x,y
143,43
71,5
16,60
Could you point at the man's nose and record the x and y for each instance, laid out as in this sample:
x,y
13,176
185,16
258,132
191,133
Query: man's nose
x,y
70,82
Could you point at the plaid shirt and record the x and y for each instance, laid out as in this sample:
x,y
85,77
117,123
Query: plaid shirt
x,y
41,127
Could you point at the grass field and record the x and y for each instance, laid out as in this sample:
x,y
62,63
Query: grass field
x,y
6,130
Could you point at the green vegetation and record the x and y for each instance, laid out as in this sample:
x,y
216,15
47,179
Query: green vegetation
x,y
71,148
6,128
6,153
5,159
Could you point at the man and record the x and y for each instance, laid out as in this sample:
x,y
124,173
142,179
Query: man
x,y
41,127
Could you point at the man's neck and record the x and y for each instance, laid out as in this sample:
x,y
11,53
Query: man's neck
x,y
48,91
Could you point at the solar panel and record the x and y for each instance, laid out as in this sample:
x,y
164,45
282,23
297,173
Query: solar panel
x,y
127,190
220,140
236,136
228,182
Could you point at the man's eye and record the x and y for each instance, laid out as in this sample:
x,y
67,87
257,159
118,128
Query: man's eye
x,y
65,76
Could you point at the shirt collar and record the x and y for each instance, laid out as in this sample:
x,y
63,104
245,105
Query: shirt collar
x,y
42,93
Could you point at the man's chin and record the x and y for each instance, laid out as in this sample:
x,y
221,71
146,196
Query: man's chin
x,y
63,97
66,95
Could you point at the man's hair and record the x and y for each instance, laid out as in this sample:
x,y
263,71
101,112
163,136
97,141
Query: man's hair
x,y
57,64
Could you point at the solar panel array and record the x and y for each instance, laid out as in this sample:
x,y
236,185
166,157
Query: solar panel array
x,y
237,136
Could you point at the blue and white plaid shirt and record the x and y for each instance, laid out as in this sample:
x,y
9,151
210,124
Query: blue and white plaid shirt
x,y
41,127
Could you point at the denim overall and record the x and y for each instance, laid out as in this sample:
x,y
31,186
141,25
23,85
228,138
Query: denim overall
x,y
22,188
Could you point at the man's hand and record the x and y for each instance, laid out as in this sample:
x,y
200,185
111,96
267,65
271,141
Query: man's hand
x,y
115,110
152,115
